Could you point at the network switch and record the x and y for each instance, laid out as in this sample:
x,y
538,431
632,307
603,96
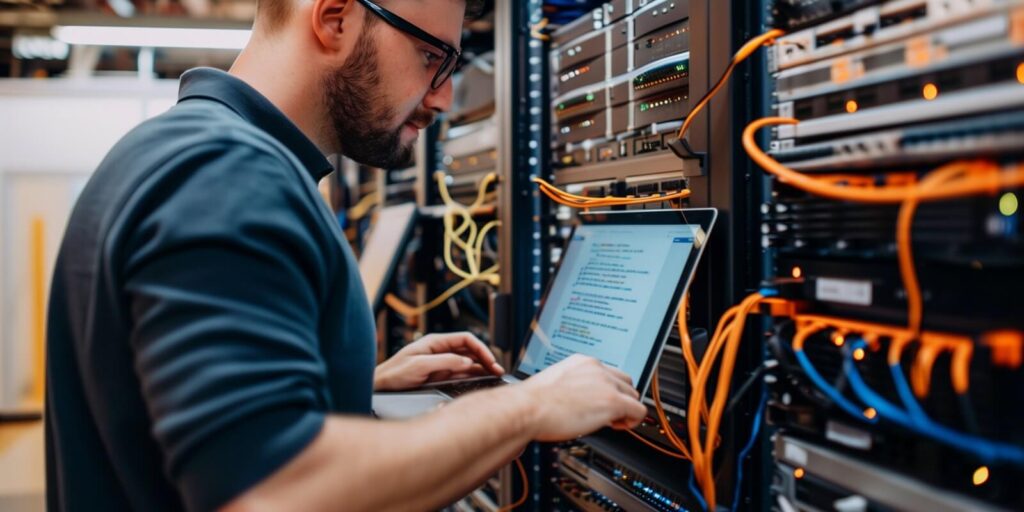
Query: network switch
x,y
592,22
886,23
920,88
993,134
985,99
621,88
621,120
581,497
973,242
618,9
795,14
630,489
937,51
812,478
657,15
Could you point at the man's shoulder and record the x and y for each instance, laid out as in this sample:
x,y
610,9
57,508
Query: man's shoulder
x,y
196,126
195,142
197,159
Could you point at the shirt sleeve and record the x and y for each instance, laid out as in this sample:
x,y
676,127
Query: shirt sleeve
x,y
225,277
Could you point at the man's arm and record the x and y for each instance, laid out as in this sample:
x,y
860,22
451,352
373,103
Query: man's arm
x,y
428,462
225,278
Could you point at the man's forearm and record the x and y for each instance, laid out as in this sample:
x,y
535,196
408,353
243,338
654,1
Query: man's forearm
x,y
421,464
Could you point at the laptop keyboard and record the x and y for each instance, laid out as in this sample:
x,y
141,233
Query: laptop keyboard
x,y
456,389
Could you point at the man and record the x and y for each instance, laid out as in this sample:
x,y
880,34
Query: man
x,y
210,344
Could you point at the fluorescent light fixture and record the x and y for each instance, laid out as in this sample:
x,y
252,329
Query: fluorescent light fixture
x,y
153,37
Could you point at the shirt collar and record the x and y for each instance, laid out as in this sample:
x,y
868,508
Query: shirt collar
x,y
232,92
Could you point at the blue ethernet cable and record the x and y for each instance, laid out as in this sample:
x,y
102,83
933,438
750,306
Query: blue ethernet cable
x,y
756,429
831,392
906,396
696,492
988,451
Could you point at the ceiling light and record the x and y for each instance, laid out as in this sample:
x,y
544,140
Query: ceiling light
x,y
38,47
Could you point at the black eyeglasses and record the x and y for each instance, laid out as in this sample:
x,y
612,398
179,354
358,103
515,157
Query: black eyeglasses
x,y
451,55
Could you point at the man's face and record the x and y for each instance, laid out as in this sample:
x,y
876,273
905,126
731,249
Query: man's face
x,y
380,97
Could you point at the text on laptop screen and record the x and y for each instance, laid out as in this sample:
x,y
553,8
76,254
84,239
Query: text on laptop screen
x,y
610,295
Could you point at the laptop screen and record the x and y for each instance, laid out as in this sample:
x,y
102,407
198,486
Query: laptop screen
x,y
611,295
383,249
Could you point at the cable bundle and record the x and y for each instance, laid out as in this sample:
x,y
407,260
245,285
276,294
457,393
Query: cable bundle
x,y
576,201
467,237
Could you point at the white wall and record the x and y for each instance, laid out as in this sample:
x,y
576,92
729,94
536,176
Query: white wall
x,y
53,133
68,125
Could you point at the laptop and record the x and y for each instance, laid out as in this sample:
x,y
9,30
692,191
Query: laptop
x,y
614,296
385,246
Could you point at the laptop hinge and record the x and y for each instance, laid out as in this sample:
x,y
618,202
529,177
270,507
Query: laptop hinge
x,y
498,324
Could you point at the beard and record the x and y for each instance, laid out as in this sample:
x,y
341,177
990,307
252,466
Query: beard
x,y
359,115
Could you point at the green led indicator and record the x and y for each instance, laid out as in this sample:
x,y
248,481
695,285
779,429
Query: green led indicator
x,y
680,67
1008,204
644,107
590,97
561,106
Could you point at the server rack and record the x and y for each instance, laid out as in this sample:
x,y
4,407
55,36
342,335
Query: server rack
x,y
887,93
609,470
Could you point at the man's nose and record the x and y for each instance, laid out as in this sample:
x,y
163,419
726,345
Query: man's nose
x,y
440,99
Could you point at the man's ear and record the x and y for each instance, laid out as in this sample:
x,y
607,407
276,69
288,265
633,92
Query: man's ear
x,y
331,18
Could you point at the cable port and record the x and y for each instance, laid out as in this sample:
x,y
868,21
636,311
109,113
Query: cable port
x,y
647,145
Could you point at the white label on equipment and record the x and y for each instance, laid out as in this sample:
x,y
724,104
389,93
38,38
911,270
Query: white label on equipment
x,y
847,435
844,291
795,455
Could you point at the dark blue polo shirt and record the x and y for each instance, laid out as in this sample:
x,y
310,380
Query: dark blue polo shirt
x,y
206,312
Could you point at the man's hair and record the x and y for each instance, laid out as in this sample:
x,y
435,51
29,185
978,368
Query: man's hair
x,y
272,14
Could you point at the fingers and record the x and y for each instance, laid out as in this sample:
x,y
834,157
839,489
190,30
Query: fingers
x,y
622,425
466,344
627,408
622,381
474,371
632,413
435,364
620,375
625,388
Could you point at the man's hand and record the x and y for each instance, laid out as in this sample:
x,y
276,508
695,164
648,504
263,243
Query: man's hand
x,y
580,395
434,358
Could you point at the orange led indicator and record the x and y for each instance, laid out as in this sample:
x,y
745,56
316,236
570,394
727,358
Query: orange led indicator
x,y
851,106
930,91
797,272
1020,73
798,473
858,354
980,475
838,339
870,413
